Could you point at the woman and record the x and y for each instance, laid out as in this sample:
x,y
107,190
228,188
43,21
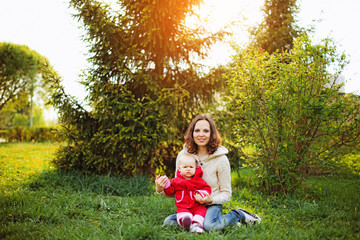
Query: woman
x,y
203,141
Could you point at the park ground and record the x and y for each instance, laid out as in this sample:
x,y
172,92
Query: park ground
x,y
39,202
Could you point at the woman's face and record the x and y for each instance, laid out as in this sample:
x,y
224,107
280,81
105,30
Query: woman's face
x,y
202,133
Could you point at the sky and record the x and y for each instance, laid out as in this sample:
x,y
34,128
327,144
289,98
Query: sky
x,y
47,27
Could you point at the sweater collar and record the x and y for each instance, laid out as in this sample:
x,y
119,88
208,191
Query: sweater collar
x,y
219,152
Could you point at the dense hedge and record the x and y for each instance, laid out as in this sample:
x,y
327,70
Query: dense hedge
x,y
30,134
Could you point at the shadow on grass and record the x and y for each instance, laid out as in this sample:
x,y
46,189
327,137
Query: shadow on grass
x,y
74,181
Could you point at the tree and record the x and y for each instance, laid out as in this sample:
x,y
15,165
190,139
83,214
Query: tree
x,y
20,82
16,112
19,66
13,109
144,87
278,29
288,108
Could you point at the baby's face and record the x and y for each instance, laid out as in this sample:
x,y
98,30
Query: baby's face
x,y
187,166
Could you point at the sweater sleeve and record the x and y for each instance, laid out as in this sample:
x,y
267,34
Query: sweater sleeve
x,y
204,187
224,180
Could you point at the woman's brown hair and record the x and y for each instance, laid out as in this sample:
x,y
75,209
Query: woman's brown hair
x,y
215,137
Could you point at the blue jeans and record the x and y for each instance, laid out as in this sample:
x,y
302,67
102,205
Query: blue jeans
x,y
214,220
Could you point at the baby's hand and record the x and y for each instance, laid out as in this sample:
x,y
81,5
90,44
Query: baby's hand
x,y
203,200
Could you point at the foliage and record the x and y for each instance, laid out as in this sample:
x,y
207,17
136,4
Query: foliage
x,y
19,105
3,134
225,123
278,30
144,87
288,106
19,66
16,112
31,134
21,86
40,203
350,161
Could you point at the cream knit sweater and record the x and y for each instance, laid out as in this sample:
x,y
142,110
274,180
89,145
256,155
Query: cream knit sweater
x,y
217,174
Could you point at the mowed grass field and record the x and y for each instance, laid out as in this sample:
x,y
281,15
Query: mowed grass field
x,y
39,202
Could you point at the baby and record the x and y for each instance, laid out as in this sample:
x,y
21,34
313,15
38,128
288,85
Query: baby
x,y
188,182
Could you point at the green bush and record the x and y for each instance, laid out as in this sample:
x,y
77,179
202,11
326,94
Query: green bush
x,y
143,91
351,162
3,134
27,134
121,136
288,107
21,119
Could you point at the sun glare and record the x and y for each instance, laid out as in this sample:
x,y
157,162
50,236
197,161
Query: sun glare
x,y
215,14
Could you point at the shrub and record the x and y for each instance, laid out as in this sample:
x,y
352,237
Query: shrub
x,y
3,134
288,107
142,91
27,134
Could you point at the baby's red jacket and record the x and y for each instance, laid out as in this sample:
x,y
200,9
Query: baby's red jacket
x,y
185,189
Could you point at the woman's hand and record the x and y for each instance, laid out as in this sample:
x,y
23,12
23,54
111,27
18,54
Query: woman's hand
x,y
207,199
160,182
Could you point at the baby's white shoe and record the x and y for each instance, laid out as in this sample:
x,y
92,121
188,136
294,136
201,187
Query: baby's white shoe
x,y
196,229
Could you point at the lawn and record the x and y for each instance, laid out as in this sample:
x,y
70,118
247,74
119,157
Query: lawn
x,y
38,202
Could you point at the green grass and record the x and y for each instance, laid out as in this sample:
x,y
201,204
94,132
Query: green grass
x,y
38,202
